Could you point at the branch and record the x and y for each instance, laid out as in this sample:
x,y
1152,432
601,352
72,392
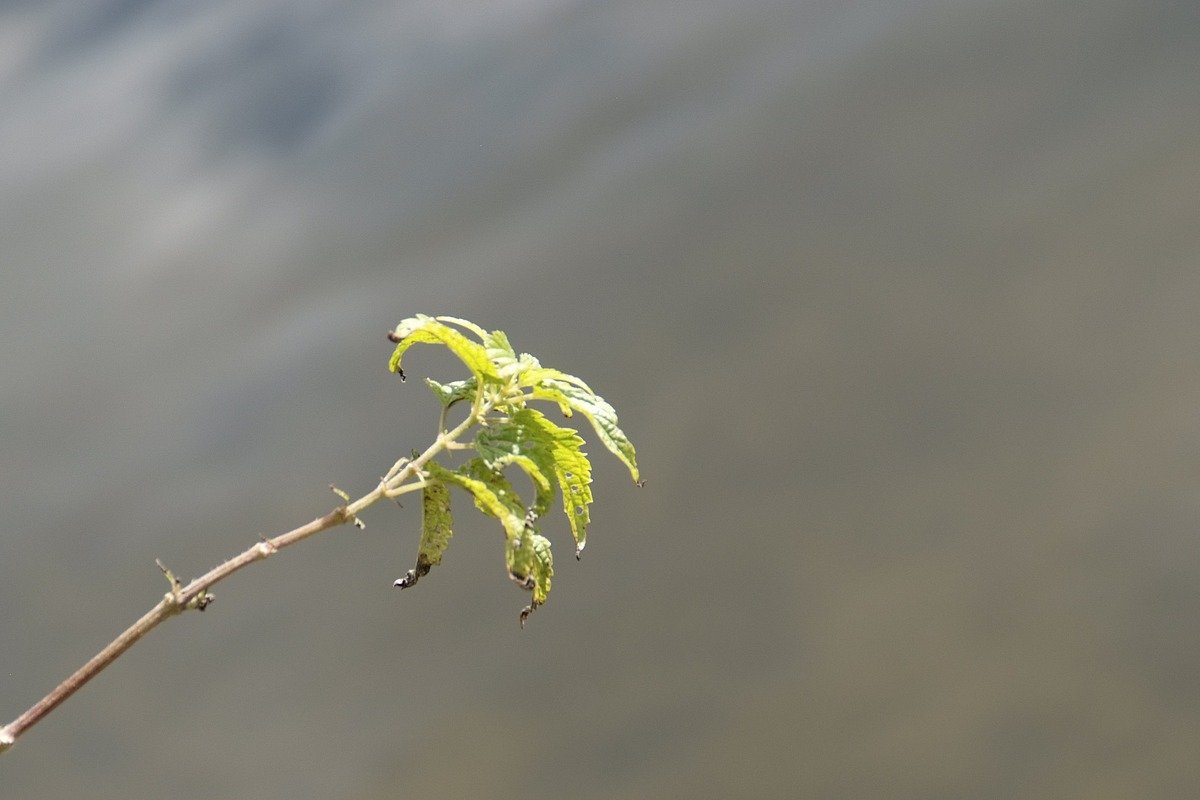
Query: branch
x,y
515,435
195,594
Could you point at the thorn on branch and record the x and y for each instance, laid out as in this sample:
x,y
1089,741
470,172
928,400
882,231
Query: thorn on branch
x,y
176,584
169,575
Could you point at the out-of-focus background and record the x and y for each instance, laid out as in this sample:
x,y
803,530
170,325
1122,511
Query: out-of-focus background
x,y
900,302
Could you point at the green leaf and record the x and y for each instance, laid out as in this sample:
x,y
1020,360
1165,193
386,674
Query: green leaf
x,y
436,530
526,554
573,472
531,564
498,340
476,468
556,451
508,364
537,373
486,497
423,329
495,343
572,397
511,434
543,492
463,323
450,393
515,442
436,522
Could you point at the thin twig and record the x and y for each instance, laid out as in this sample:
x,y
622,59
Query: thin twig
x,y
173,602
195,594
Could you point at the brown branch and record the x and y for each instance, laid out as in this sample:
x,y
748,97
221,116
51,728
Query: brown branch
x,y
194,595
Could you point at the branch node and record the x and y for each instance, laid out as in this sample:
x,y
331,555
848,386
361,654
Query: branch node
x,y
391,473
201,601
344,514
266,547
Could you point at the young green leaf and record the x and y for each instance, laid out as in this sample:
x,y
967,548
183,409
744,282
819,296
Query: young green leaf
x,y
572,397
537,373
527,555
531,564
498,482
495,344
508,364
436,530
423,329
497,341
450,393
555,450
486,497
516,442
463,323
543,492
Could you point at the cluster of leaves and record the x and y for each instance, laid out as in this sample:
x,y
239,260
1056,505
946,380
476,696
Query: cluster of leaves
x,y
511,434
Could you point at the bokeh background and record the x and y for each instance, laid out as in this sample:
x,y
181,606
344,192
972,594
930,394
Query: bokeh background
x,y
899,300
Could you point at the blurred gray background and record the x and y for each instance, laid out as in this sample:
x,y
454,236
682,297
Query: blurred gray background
x,y
898,299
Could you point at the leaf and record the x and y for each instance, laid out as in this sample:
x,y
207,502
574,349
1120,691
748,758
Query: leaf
x,y
508,364
451,393
463,323
537,373
527,555
555,451
492,495
423,329
515,442
511,434
494,478
497,344
531,564
436,530
543,492
572,397
570,467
